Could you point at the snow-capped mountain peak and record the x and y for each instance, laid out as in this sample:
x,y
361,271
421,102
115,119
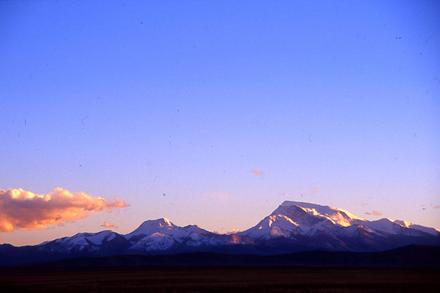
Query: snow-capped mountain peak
x,y
293,219
83,242
162,225
297,218
162,234
81,239
292,226
410,225
335,215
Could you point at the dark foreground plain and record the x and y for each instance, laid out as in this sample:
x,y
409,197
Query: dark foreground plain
x,y
220,280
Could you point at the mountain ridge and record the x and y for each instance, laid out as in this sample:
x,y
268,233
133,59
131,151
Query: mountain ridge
x,y
292,227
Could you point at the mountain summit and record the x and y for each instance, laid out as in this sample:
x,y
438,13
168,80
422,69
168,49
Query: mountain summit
x,y
299,218
162,234
302,226
293,226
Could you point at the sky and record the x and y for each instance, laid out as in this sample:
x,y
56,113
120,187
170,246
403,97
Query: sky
x,y
215,112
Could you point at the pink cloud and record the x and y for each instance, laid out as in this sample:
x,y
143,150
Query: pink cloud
x,y
315,190
108,225
375,213
257,172
21,209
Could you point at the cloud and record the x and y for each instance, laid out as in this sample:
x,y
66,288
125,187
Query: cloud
x,y
108,225
437,207
21,209
257,172
314,190
375,213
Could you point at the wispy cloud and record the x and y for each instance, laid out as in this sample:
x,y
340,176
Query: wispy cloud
x,y
257,172
375,213
437,207
21,209
108,225
314,190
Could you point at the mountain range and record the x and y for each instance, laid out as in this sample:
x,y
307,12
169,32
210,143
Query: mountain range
x,y
292,227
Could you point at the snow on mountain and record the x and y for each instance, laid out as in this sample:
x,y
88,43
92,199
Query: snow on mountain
x,y
298,225
425,229
292,219
81,241
334,215
155,241
162,225
383,225
162,234
397,227
299,218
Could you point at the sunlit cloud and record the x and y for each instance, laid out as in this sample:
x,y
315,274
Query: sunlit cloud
x,y
108,225
21,209
437,207
375,213
257,172
314,190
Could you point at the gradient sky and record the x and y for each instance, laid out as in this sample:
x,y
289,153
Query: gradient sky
x,y
214,112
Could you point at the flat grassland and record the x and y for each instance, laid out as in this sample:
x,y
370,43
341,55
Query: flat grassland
x,y
220,280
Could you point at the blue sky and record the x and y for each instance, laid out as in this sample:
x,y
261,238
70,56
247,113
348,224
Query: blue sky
x,y
176,106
